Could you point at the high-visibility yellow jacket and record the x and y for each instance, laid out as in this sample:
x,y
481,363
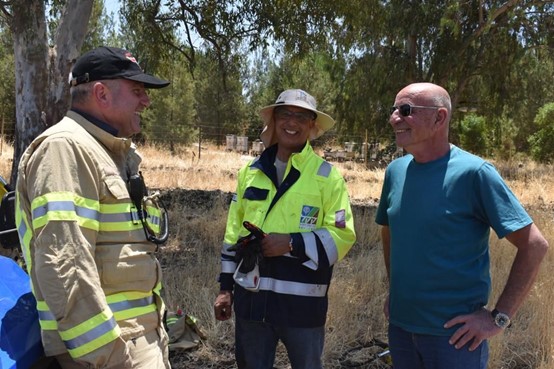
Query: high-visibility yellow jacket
x,y
312,204
93,273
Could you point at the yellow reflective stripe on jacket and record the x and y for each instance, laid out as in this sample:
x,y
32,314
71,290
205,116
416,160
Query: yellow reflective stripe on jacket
x,y
66,206
91,334
24,232
46,319
124,305
119,217
127,305
153,218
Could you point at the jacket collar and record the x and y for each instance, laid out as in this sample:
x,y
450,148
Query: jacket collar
x,y
112,142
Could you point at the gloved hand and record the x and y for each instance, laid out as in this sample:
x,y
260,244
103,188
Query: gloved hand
x,y
250,254
249,248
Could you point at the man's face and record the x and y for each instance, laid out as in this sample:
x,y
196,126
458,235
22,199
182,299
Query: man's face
x,y
413,119
293,126
128,101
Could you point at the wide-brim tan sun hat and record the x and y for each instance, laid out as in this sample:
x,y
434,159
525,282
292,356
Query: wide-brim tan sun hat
x,y
301,99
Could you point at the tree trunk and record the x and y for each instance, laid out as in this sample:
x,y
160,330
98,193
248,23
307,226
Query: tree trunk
x,y
31,76
41,72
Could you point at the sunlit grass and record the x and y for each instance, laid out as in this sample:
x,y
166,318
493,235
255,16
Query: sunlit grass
x,y
191,257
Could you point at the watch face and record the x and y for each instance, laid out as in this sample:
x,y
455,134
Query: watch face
x,y
502,320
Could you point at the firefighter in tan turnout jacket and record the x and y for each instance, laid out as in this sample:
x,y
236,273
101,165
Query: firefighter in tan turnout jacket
x,y
90,256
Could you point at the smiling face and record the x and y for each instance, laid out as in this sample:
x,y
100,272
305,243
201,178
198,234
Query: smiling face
x,y
292,129
128,99
424,131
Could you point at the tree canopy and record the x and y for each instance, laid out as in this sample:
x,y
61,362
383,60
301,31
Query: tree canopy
x,y
226,59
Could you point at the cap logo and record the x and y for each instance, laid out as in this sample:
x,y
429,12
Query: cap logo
x,y
129,56
302,96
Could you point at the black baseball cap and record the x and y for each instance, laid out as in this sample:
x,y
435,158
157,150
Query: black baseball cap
x,y
111,63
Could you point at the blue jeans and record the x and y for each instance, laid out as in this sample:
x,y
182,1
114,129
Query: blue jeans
x,y
422,351
255,344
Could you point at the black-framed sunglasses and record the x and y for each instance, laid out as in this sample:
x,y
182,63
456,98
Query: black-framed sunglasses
x,y
406,109
301,116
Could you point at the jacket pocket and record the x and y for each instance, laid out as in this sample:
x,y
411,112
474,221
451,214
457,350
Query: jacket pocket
x,y
138,271
255,193
116,187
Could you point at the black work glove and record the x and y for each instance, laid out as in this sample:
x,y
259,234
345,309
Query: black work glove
x,y
248,249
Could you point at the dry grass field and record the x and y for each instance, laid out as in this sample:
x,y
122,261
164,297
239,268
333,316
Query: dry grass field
x,y
190,260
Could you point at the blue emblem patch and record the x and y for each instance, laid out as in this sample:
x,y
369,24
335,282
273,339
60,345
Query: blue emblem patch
x,y
308,218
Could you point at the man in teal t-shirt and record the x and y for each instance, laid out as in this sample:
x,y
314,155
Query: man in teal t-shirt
x,y
436,210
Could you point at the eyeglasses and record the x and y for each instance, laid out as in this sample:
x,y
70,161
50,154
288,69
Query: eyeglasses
x,y
406,109
299,116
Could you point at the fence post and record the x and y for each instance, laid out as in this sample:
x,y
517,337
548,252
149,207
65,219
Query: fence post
x,y
199,141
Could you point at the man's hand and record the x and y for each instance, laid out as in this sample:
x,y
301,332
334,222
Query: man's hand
x,y
476,327
223,305
276,244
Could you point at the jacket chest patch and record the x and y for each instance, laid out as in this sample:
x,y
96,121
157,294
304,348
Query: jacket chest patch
x,y
308,218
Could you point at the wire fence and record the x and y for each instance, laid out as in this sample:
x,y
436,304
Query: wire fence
x,y
334,146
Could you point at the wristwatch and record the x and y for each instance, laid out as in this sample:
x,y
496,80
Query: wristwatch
x,y
501,320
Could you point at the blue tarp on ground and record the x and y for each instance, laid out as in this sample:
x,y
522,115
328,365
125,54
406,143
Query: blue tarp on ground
x,y
20,344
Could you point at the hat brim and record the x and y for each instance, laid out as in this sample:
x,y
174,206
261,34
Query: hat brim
x,y
323,123
148,80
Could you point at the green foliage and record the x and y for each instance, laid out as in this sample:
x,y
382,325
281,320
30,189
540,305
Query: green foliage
x,y
7,83
473,134
542,141
227,59
171,117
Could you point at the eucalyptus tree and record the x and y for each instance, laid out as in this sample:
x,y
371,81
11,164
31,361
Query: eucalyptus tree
x,y
473,48
41,69
7,83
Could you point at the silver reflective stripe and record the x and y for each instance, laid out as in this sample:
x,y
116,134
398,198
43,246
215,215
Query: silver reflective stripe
x,y
228,266
324,169
118,217
310,248
224,250
65,206
328,244
22,228
130,304
91,335
293,288
46,315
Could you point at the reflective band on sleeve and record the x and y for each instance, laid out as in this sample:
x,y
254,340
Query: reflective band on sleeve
x,y
310,248
88,213
65,206
228,266
54,206
91,334
293,288
324,169
47,320
328,244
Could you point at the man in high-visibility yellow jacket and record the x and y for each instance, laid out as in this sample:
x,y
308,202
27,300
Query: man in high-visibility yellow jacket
x,y
86,245
301,203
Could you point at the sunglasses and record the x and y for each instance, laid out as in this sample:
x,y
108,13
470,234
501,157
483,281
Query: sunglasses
x,y
299,116
406,109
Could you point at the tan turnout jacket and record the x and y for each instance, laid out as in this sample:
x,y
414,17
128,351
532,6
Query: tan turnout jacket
x,y
93,272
